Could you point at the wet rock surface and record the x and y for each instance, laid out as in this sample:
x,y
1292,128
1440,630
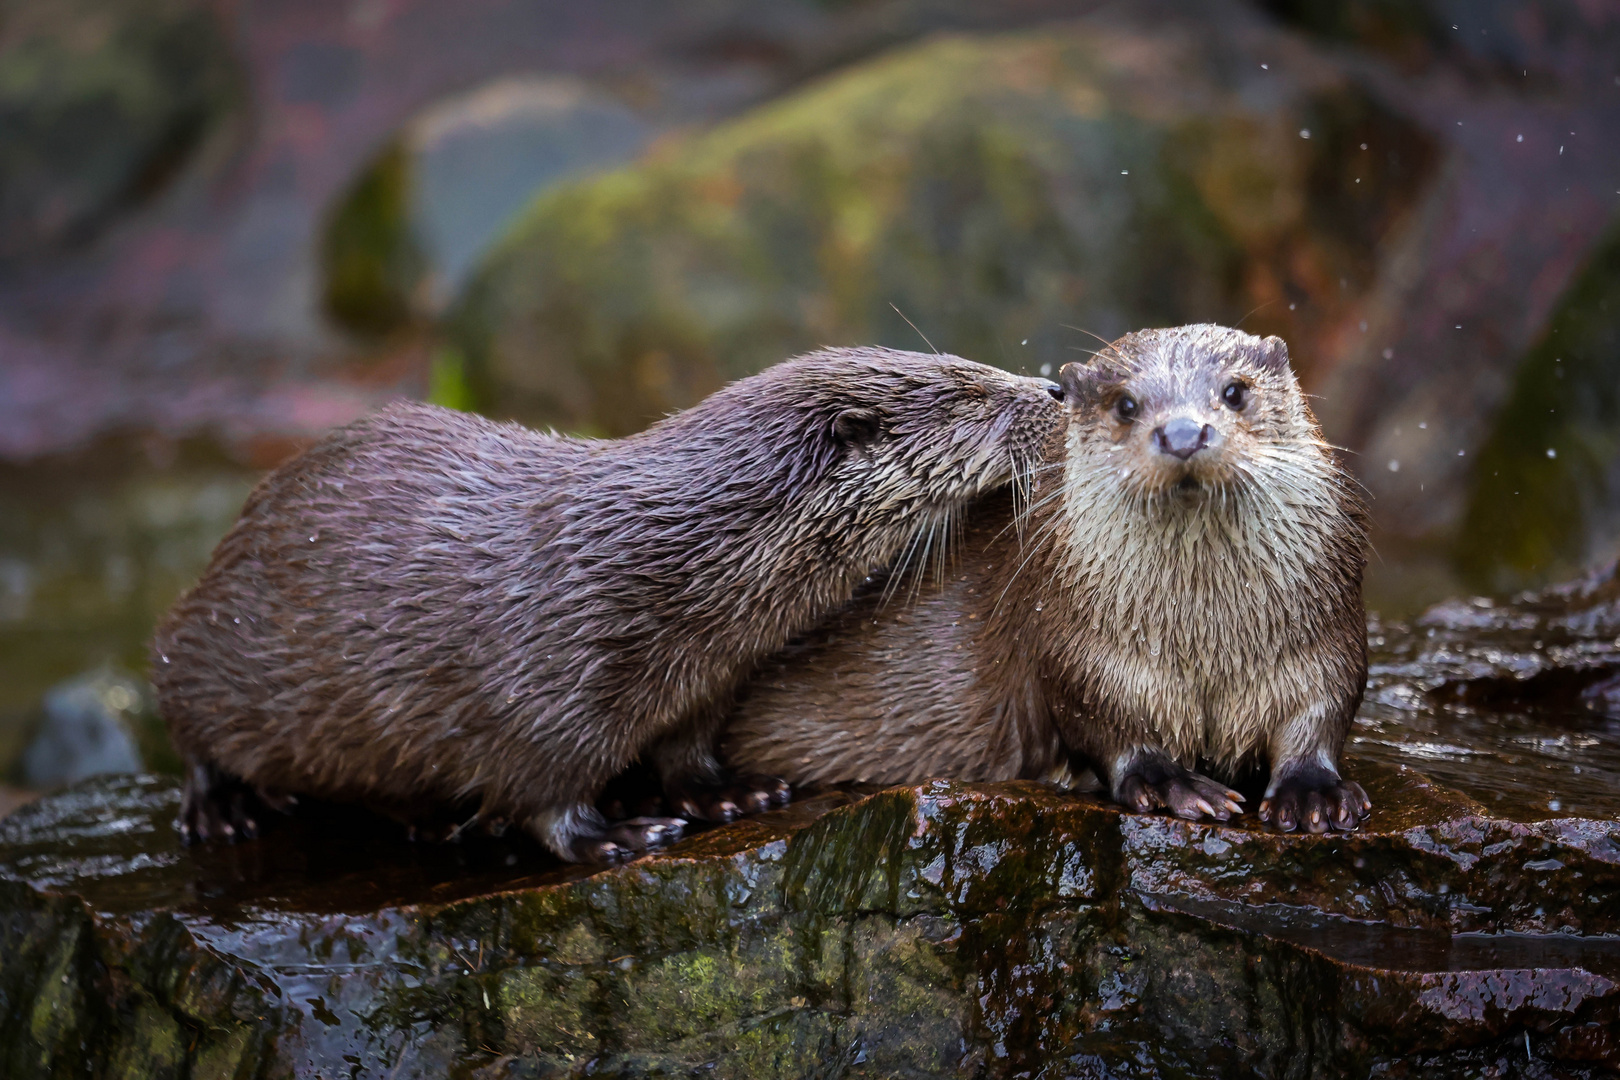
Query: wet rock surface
x,y
947,929
1515,703
1471,928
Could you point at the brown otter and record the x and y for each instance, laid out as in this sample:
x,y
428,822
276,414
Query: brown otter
x,y
1185,588
430,609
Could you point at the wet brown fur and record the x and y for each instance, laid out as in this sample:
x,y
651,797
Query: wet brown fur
x,y
429,608
1150,614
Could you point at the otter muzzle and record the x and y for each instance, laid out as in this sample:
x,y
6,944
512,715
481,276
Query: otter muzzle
x,y
1182,437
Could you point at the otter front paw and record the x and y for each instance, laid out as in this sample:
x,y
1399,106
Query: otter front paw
x,y
624,840
727,798
217,806
1151,783
1316,799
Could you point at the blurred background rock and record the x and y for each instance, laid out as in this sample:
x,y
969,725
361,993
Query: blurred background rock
x,y
228,226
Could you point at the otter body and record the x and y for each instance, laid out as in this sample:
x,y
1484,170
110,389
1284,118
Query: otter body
x,y
1184,592
428,609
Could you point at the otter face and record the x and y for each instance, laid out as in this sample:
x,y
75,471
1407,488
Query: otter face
x,y
1191,411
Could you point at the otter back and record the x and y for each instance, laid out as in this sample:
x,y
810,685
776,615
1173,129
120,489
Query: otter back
x,y
429,608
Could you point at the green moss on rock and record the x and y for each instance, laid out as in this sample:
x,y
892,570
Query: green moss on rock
x,y
1545,498
371,262
990,189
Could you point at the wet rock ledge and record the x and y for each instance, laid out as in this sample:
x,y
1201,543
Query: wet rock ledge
x,y
942,930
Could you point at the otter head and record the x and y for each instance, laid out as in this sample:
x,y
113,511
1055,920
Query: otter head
x,y
1192,411
916,430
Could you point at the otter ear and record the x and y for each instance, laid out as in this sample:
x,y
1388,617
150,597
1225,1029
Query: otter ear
x,y
1273,354
1083,384
857,428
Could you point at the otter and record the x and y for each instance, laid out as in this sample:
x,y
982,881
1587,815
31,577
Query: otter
x,y
431,609
1183,592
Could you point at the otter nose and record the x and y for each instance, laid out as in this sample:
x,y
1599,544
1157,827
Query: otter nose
x,y
1182,437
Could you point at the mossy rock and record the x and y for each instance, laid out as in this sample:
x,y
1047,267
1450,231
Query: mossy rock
x,y
941,930
996,191
100,102
1545,498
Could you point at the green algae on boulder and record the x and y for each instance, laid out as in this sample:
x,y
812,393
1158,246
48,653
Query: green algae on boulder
x,y
992,189
1545,498
944,930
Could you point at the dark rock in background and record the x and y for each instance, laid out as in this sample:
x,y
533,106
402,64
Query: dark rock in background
x,y
101,102
89,728
201,311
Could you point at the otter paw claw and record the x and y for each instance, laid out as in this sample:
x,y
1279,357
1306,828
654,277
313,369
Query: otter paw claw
x,y
624,840
1315,800
215,806
1159,786
728,799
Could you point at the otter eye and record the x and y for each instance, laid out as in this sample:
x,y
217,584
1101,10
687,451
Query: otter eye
x,y
1236,395
1127,407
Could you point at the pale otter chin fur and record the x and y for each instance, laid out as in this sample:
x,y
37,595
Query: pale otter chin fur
x,y
428,608
1183,592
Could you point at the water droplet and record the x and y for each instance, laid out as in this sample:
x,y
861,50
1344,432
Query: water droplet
x,y
1554,804
1153,650
1551,452
1423,425
236,620
1124,172
1394,466
1462,453
1024,342
1304,133
165,659
1265,67
1389,354
1519,139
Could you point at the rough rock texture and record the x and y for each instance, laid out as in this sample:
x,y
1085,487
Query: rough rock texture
x,y
1472,928
944,930
1516,703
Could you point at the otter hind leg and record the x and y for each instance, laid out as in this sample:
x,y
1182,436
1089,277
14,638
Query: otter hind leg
x,y
727,797
580,833
698,787
214,805
1310,796
1149,780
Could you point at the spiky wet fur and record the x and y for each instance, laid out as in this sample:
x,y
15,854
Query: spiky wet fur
x,y
1119,614
430,608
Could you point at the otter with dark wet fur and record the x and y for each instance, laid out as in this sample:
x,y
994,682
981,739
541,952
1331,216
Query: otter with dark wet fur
x,y
429,609
1183,592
